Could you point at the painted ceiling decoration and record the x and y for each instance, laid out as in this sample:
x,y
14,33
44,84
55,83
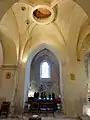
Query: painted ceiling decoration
x,y
50,3
54,22
41,13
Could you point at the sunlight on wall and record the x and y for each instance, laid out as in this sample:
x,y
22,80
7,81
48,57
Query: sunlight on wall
x,y
24,59
86,109
31,93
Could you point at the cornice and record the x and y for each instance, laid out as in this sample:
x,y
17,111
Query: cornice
x,y
9,67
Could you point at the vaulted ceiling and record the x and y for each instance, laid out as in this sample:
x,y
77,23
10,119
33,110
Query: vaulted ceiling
x,y
62,24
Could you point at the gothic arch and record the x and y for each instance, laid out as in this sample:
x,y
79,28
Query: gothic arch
x,y
28,66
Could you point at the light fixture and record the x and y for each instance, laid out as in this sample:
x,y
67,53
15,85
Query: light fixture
x,y
27,22
23,8
88,90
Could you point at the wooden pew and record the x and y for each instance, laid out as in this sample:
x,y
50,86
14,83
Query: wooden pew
x,y
5,109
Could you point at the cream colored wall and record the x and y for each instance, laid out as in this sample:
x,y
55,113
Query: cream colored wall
x,y
61,39
7,85
74,91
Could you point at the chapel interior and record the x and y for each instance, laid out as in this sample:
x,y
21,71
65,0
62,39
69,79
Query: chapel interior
x,y
45,59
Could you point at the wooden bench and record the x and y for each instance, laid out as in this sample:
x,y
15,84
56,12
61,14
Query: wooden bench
x,y
34,106
47,106
42,105
5,109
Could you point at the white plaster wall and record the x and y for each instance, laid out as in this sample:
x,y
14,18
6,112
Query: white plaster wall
x,y
73,92
7,85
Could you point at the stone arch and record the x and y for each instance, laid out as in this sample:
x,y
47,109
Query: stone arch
x,y
75,30
28,65
9,49
53,75
84,32
1,54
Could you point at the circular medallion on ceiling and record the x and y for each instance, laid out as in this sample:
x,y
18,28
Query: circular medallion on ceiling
x,y
42,14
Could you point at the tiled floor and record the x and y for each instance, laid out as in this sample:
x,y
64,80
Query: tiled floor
x,y
49,117
43,118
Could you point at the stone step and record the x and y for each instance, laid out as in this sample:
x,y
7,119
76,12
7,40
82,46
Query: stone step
x,y
84,117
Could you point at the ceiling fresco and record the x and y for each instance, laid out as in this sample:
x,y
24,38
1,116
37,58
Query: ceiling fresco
x,y
59,22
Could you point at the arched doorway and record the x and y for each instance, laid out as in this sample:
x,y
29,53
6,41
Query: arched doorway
x,y
45,75
28,73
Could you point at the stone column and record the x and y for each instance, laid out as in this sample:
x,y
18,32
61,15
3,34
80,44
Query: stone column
x,y
18,98
15,91
16,78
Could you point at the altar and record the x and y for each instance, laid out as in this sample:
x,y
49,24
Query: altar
x,y
43,105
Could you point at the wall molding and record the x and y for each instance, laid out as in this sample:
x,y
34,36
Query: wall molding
x,y
9,67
